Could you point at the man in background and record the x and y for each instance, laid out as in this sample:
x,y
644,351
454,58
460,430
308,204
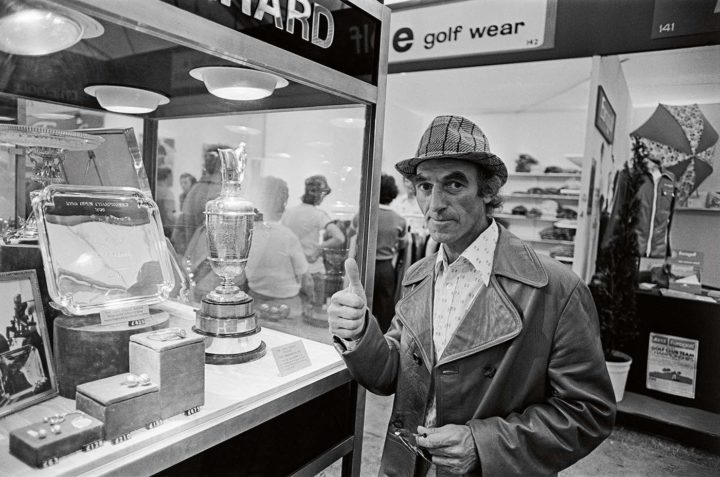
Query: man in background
x,y
187,181
207,188
390,242
165,200
311,224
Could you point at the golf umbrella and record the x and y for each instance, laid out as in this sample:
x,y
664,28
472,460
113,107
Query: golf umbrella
x,y
682,141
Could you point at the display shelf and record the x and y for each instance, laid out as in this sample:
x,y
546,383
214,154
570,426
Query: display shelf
x,y
548,175
237,398
522,217
697,209
550,242
695,426
520,195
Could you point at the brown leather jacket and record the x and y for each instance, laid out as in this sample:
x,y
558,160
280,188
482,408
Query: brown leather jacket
x,y
525,369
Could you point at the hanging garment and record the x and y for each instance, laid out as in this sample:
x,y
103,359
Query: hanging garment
x,y
656,194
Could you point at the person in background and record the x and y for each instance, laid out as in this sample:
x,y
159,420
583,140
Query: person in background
x,y
187,180
165,199
310,223
407,206
494,353
390,241
207,188
276,266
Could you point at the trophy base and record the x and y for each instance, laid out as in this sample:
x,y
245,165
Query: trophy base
x,y
211,358
230,331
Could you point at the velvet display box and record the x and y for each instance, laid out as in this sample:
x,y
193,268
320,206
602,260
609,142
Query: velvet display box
x,y
122,405
43,443
86,350
175,360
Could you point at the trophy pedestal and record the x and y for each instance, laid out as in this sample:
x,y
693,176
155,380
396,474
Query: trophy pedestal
x,y
230,329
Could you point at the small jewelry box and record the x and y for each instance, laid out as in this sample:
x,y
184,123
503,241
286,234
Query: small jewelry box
x,y
43,443
175,360
123,402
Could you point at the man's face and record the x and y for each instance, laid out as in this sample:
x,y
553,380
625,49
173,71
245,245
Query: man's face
x,y
447,192
185,183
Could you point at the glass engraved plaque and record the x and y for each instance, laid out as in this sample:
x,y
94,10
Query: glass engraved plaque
x,y
102,247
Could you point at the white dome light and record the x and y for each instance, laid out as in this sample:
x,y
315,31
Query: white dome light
x,y
126,100
238,84
35,31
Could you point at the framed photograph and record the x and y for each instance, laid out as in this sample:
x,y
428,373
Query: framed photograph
x,y
605,116
27,375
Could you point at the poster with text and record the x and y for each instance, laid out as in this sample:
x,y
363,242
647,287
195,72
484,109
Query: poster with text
x,y
672,365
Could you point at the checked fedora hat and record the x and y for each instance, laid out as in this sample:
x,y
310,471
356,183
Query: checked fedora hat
x,y
453,137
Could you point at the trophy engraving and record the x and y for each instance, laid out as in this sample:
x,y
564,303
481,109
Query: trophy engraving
x,y
226,318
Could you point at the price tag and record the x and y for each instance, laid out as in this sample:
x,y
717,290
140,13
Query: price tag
x,y
291,357
131,315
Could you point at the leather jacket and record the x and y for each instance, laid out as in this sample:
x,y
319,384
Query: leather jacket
x,y
654,214
524,370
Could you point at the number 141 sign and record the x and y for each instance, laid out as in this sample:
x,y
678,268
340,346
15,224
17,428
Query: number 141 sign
x,y
679,18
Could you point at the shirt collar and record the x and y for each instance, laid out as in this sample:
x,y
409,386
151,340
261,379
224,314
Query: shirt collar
x,y
384,207
479,254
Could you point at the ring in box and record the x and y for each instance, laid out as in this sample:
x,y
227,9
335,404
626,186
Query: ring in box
x,y
122,403
106,261
43,443
175,360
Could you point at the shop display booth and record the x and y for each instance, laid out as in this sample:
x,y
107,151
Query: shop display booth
x,y
112,109
562,117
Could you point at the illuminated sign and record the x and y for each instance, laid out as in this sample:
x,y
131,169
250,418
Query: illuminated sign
x,y
308,15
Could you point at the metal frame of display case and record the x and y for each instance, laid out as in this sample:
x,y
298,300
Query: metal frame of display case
x,y
180,27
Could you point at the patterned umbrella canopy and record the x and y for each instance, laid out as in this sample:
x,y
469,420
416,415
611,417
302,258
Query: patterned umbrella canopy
x,y
683,141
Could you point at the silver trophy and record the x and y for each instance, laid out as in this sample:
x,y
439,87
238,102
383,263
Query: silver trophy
x,y
226,318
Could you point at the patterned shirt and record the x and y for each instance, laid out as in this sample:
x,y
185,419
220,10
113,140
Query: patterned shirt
x,y
456,286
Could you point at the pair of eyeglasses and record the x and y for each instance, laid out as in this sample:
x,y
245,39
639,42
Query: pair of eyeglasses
x,y
409,440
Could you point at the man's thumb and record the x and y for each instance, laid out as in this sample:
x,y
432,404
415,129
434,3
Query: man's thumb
x,y
352,272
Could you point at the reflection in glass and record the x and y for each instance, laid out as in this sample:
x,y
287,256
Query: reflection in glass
x,y
286,271
46,150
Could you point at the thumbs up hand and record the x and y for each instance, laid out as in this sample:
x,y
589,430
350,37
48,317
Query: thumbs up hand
x,y
346,313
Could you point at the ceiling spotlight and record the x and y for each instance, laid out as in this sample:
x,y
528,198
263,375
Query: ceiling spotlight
x,y
126,100
242,130
240,84
41,31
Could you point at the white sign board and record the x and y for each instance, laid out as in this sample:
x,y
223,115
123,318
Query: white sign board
x,y
469,28
672,365
291,357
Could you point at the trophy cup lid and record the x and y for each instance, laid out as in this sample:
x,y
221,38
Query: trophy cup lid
x,y
103,248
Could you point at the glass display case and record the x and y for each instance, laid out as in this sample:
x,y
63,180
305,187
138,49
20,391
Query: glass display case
x,y
301,85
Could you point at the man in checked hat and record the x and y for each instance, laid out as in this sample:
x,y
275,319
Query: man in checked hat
x,y
494,353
